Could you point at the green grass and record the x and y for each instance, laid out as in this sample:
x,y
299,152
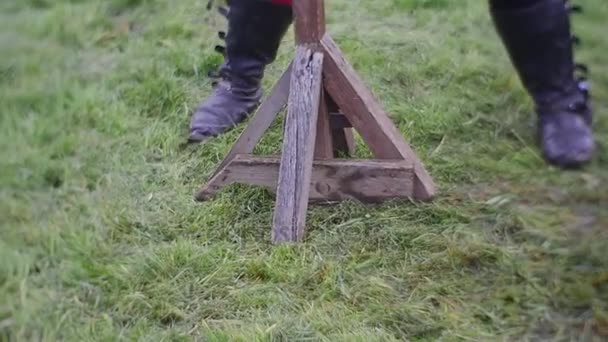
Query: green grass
x,y
101,240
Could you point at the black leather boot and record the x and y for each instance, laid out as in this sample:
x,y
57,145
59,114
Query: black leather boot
x,y
255,30
540,44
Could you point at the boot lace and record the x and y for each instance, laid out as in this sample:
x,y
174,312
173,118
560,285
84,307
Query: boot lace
x,y
581,71
222,73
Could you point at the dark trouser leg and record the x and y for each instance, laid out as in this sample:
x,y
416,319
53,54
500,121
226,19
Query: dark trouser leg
x,y
255,30
537,36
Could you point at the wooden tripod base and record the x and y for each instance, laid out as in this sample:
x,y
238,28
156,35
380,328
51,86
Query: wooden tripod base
x,y
326,99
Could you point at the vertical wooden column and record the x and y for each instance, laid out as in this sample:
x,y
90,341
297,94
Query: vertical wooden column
x,y
309,21
310,29
300,131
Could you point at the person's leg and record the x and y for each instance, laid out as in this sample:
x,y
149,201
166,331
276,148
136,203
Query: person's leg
x,y
255,30
537,36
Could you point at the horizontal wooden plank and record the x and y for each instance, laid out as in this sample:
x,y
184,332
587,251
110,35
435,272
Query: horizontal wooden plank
x,y
335,180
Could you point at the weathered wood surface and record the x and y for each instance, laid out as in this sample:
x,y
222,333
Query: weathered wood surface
x,y
262,120
298,146
368,117
309,21
335,180
324,146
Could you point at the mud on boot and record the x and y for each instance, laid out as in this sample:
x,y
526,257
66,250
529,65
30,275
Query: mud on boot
x,y
255,30
539,42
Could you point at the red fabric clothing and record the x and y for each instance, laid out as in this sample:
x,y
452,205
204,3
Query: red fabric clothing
x,y
282,2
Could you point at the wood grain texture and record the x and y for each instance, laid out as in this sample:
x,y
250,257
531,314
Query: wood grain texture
x,y
368,117
262,120
335,180
309,21
298,146
324,146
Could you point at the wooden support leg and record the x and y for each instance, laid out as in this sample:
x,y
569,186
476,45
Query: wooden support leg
x,y
265,115
298,147
263,118
368,117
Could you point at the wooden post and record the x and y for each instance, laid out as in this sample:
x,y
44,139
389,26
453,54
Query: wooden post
x,y
298,146
299,138
309,21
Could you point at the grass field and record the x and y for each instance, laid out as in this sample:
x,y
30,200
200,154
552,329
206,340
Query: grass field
x,y
101,240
